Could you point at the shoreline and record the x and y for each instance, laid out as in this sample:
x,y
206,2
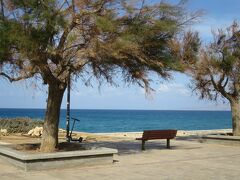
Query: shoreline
x,y
133,135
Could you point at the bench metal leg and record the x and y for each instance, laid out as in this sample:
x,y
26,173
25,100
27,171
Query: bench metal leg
x,y
168,143
143,145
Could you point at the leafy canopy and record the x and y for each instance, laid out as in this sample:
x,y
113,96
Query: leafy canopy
x,y
218,70
89,38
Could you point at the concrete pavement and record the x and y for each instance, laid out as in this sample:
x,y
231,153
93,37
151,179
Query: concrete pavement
x,y
188,159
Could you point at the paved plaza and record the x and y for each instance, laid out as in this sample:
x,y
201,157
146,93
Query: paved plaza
x,y
187,159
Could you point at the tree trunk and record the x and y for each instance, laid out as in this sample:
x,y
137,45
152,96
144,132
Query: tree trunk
x,y
235,108
50,127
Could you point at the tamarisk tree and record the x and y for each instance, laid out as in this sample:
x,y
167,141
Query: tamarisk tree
x,y
55,39
216,73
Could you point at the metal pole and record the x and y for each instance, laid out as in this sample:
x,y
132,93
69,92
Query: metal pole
x,y
68,107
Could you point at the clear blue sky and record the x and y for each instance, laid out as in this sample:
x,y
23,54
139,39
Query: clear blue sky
x,y
169,95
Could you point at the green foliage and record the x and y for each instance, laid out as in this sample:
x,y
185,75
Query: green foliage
x,y
106,24
217,73
35,25
19,125
4,43
116,35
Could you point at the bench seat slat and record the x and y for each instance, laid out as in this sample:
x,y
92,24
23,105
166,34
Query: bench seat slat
x,y
157,137
159,134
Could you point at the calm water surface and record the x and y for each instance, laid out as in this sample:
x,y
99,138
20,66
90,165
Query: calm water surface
x,y
133,120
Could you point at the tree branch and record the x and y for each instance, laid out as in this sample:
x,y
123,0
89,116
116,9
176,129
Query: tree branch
x,y
2,9
226,82
221,78
195,16
97,9
64,2
140,11
79,46
12,79
65,35
73,8
219,87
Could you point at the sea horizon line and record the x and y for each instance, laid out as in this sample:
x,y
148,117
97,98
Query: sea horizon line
x,y
108,109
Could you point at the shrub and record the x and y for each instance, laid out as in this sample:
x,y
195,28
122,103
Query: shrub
x,y
19,125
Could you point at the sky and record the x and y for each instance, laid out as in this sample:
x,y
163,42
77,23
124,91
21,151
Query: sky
x,y
169,95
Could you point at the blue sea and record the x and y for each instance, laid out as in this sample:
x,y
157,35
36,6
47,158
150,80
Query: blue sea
x,y
133,120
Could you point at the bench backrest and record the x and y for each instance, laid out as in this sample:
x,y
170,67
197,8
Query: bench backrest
x,y
159,134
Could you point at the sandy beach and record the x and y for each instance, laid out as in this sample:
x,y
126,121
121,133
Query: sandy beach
x,y
180,133
117,136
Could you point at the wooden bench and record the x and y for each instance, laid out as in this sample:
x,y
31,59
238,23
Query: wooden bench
x,y
157,134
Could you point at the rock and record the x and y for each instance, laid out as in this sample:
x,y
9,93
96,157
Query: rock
x,y
30,132
37,131
4,132
62,130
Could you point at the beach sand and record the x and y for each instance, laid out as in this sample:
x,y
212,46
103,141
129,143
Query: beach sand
x,y
134,135
111,137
